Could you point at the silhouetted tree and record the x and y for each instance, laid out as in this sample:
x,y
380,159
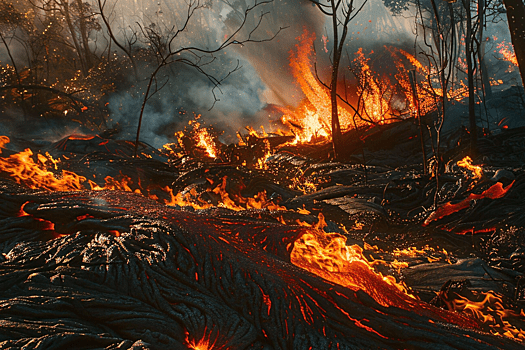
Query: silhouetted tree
x,y
341,13
516,19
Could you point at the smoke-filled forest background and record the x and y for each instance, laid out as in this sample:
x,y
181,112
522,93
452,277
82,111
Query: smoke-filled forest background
x,y
70,66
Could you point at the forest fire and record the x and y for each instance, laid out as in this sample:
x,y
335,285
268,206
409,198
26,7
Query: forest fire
x,y
388,214
310,121
375,95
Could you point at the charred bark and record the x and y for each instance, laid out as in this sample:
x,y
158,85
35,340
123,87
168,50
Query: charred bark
x,y
470,77
516,20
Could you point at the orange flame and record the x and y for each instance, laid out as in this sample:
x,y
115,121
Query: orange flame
x,y
233,202
328,256
312,119
426,89
3,141
372,92
490,310
23,169
204,140
200,137
467,164
320,251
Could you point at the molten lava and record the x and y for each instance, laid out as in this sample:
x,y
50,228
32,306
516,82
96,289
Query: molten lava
x,y
328,256
489,309
494,192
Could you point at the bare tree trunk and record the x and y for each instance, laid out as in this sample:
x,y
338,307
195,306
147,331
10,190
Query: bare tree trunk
x,y
516,20
481,51
71,27
470,77
9,53
84,36
128,52
413,83
336,128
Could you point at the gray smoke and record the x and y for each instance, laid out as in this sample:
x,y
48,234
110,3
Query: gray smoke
x,y
264,77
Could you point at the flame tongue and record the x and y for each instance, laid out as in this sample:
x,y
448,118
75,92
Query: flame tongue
x,y
312,119
475,169
23,169
328,256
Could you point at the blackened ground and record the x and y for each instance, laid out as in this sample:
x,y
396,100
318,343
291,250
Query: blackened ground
x,y
137,274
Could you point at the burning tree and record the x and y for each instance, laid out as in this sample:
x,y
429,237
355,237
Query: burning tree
x,y
341,13
516,18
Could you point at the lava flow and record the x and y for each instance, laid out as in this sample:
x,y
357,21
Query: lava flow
x,y
328,256
325,255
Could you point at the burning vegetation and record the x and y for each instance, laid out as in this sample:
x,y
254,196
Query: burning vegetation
x,y
365,215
